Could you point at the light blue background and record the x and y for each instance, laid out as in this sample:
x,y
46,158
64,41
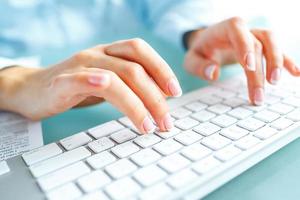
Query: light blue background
x,y
277,177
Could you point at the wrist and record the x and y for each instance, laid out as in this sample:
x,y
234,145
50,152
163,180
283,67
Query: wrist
x,y
12,80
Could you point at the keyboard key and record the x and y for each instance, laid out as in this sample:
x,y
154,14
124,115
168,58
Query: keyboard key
x,y
188,137
75,141
219,109
95,180
196,106
41,153
203,116
145,157
125,149
227,153
167,147
281,123
173,163
95,196
240,113
123,135
266,116
186,123
281,108
182,178
180,113
59,161
255,108
293,101
196,152
206,128
128,123
223,120
280,93
66,192
264,132
101,144
147,140
215,142
247,142
206,165
270,99
149,175
294,115
210,100
156,192
105,129
3,167
251,124
234,132
225,94
120,168
168,134
62,176
122,189
234,102
100,160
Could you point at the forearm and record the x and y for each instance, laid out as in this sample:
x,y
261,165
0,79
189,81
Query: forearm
x,y
12,80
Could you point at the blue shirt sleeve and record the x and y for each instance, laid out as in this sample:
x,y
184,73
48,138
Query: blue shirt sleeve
x,y
170,19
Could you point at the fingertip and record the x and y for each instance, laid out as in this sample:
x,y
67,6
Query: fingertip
x,y
174,88
147,125
210,72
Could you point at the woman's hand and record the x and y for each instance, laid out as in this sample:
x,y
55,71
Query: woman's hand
x,y
231,41
129,74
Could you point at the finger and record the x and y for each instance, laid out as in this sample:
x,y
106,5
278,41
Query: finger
x,y
144,87
109,86
273,55
198,65
255,79
243,43
290,65
137,50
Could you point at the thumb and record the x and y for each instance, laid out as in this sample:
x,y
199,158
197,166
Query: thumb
x,y
200,66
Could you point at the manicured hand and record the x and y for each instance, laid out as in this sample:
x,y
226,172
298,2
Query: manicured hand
x,y
129,74
232,41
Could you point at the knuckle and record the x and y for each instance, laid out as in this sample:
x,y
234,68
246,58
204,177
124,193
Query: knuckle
x,y
134,71
236,21
82,56
267,33
136,44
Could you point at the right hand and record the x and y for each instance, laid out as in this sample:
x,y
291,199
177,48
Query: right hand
x,y
129,74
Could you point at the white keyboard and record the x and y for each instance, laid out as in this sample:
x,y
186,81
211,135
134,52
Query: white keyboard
x,y
217,136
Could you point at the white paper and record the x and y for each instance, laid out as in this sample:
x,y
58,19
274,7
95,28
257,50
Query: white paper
x,y
17,134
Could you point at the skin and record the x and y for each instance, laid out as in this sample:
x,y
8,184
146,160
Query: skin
x,y
134,78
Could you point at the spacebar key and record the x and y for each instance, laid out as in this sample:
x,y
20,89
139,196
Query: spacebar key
x,y
59,161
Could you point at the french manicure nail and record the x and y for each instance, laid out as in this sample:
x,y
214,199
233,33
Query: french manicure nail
x,y
250,61
174,88
209,72
148,126
167,122
99,79
259,96
275,76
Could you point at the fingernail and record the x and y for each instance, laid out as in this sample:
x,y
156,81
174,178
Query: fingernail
x,y
174,88
99,79
167,122
250,61
148,126
209,72
275,76
259,96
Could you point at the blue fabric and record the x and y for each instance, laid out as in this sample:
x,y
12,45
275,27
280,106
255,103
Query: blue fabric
x,y
31,24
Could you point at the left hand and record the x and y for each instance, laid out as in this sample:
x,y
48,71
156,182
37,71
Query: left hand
x,y
230,41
